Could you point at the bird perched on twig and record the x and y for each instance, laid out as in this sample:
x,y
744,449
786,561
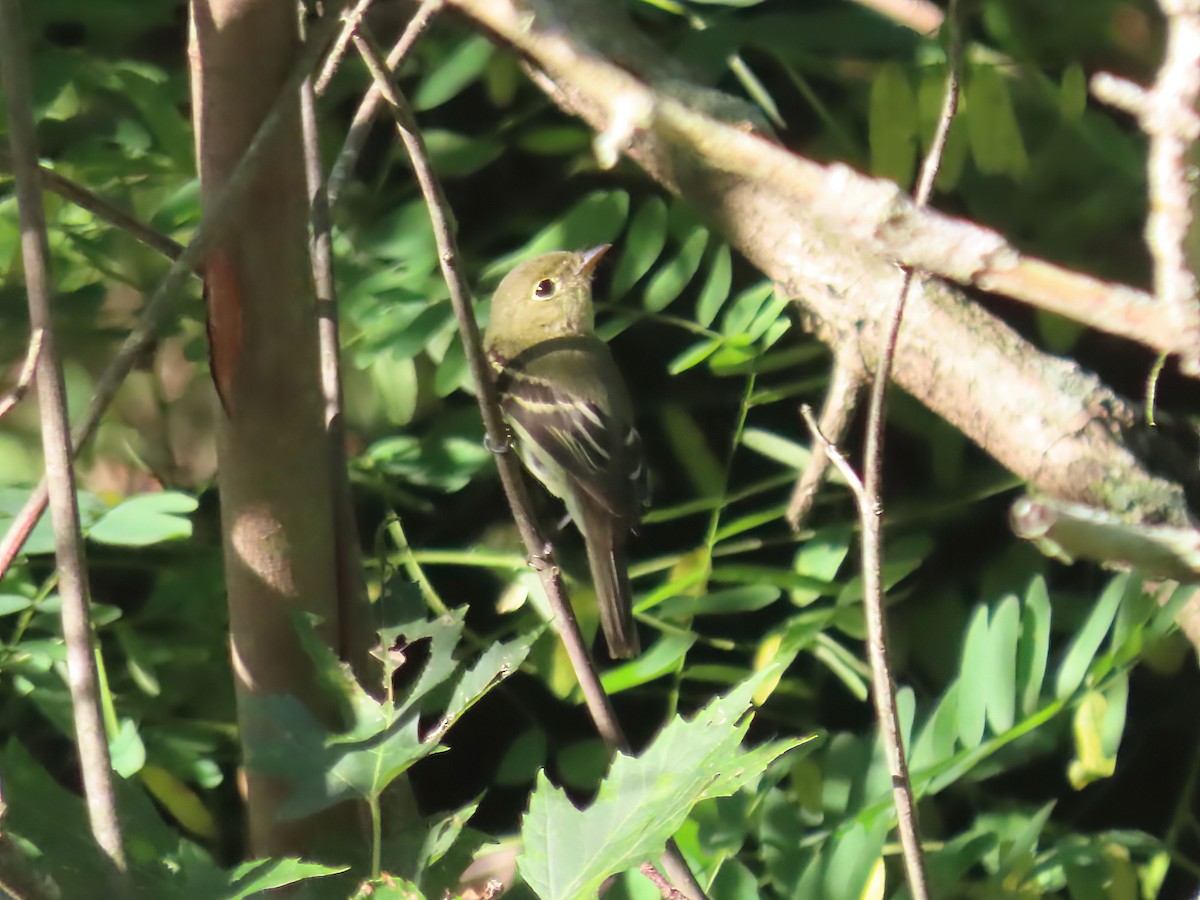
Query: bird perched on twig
x,y
570,413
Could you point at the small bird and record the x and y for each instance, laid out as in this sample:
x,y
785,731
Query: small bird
x,y
567,405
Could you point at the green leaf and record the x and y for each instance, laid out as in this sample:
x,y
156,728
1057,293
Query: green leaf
x,y
1033,648
382,738
1073,94
674,275
773,446
892,125
456,72
1003,632
663,658
146,519
745,308
255,877
13,603
972,683
992,128
819,558
596,219
569,852
716,287
642,246
1088,638
693,356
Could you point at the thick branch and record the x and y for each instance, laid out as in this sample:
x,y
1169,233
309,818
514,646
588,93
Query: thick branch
x,y
833,237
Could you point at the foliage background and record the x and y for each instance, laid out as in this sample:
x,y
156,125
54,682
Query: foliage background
x,y
1024,677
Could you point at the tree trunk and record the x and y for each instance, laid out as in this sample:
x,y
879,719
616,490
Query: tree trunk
x,y
276,502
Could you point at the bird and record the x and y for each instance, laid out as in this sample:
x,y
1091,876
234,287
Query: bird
x,y
571,417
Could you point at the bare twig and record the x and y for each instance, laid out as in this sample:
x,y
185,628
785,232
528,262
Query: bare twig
x,y
338,51
355,632
1168,113
90,738
664,886
160,304
597,701
356,136
103,209
17,394
841,399
871,509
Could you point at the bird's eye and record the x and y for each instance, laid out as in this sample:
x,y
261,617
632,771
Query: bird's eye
x,y
545,289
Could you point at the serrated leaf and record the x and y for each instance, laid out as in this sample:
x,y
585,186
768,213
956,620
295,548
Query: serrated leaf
x,y
382,738
569,852
256,876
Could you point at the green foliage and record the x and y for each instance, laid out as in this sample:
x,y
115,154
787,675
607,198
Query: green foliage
x,y
643,801
1022,682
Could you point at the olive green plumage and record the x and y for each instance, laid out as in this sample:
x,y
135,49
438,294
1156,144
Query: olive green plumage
x,y
571,416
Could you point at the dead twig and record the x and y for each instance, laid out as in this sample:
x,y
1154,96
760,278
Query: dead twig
x,y
841,399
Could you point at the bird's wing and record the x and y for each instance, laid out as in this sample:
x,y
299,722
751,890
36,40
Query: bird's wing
x,y
563,400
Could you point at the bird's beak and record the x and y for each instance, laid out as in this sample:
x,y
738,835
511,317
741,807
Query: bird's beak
x,y
589,259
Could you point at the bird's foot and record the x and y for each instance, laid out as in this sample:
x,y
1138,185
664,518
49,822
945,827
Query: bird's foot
x,y
497,446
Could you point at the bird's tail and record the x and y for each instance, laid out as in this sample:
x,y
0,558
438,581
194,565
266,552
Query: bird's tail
x,y
610,574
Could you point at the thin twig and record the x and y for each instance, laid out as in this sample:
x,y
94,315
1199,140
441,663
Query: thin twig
x,y
17,394
90,738
356,136
337,52
871,509
841,399
597,701
159,306
102,209
355,634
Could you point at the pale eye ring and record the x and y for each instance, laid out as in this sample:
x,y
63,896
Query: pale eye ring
x,y
545,289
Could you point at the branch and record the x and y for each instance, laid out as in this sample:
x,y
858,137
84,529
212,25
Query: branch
x,y
90,738
365,114
32,355
833,237
870,509
1168,113
102,209
598,704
